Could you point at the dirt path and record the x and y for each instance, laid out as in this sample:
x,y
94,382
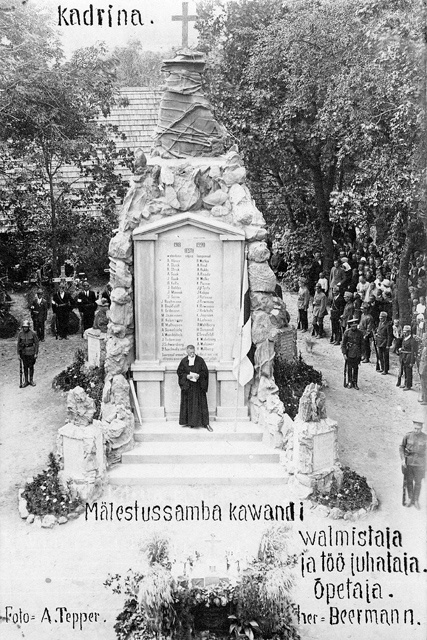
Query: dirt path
x,y
66,566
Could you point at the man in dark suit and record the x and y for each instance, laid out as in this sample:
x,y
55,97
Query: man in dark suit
x,y
193,379
86,303
384,338
39,314
62,303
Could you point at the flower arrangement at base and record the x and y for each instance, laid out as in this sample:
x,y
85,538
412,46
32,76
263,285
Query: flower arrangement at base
x,y
47,494
351,494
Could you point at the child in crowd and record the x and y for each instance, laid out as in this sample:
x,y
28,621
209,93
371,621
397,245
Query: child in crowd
x,y
323,282
397,335
420,311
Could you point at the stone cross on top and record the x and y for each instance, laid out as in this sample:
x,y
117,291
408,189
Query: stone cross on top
x,y
185,18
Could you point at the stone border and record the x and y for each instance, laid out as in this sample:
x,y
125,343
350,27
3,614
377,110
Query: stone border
x,y
49,520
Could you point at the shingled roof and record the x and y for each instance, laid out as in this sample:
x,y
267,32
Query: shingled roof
x,y
137,121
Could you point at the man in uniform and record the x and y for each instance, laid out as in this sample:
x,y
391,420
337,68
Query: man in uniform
x,y
28,349
384,338
319,311
62,304
193,379
347,313
86,302
39,314
352,351
413,455
407,358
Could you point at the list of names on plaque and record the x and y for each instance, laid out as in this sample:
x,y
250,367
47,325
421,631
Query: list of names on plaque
x,y
190,297
206,339
171,308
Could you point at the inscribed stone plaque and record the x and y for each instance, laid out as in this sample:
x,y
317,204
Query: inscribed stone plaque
x,y
323,450
93,350
189,283
73,457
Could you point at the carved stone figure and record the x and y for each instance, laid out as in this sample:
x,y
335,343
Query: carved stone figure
x,y
312,404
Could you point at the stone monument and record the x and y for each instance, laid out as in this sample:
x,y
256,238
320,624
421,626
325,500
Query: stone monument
x,y
81,446
314,455
176,265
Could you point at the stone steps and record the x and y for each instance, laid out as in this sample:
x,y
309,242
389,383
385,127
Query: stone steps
x,y
200,452
198,474
168,454
172,432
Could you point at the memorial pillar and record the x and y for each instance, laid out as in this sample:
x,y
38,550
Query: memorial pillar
x,y
148,374
231,395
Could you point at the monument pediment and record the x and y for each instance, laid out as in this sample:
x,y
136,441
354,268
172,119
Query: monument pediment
x,y
147,231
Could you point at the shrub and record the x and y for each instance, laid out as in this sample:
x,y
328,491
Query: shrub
x,y
8,325
258,602
353,494
292,378
46,494
91,379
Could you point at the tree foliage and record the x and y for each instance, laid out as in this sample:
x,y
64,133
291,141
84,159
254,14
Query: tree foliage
x,y
51,121
136,67
325,100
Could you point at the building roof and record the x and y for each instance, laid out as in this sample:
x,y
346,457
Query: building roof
x,y
137,120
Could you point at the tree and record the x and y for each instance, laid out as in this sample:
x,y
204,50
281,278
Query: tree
x,y
321,96
51,120
135,67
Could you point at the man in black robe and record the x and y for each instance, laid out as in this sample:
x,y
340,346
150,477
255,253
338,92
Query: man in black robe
x,y
193,379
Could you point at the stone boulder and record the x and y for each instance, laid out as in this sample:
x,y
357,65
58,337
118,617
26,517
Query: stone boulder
x,y
121,246
120,274
261,277
80,407
258,252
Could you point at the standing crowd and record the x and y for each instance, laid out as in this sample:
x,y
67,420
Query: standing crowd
x,y
93,312
360,297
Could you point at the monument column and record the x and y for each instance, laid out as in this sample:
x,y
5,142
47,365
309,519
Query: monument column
x,y
231,395
150,376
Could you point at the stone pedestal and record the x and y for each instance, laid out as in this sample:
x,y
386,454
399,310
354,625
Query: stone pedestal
x,y
82,452
188,271
315,451
95,347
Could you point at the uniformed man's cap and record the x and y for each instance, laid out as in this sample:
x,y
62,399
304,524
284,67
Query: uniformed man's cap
x,y
407,327
383,314
352,321
26,323
348,294
419,423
